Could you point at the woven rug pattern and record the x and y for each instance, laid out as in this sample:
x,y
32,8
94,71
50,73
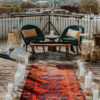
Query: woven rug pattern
x,y
47,82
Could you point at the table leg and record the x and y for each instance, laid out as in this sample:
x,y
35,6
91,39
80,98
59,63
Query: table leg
x,y
51,48
67,51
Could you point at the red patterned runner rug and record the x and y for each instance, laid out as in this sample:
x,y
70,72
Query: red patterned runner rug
x,y
47,82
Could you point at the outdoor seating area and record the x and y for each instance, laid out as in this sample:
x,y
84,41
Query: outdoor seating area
x,y
47,64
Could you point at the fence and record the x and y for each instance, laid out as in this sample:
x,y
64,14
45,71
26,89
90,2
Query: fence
x,y
47,22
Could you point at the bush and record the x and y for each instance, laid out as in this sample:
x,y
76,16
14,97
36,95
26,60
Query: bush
x,y
88,6
18,7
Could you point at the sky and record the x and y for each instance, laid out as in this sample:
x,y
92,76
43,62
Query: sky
x,y
24,0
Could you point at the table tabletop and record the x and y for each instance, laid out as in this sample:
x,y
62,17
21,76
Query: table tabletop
x,y
50,44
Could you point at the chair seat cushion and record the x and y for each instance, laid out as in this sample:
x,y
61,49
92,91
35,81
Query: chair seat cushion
x,y
73,33
29,33
73,41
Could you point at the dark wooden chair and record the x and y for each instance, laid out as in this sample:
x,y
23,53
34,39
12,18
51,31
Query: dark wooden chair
x,y
27,41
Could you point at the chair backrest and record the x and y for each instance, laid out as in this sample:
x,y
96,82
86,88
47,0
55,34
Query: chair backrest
x,y
39,37
74,27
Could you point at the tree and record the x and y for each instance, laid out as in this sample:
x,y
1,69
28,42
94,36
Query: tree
x,y
18,7
27,4
44,5
88,6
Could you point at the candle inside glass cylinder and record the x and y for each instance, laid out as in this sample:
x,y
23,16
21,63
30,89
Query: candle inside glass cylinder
x,y
90,74
10,88
81,65
51,33
93,84
19,67
8,97
82,71
17,79
88,82
96,94
78,62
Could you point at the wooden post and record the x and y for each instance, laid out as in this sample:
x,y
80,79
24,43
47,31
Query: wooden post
x,y
14,37
49,23
33,52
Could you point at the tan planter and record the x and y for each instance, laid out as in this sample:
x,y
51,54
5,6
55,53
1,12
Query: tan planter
x,y
93,56
15,30
14,37
97,53
97,40
85,57
86,46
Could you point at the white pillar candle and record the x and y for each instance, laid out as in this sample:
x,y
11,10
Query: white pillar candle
x,y
23,73
87,81
23,69
78,62
8,97
93,44
81,65
17,79
90,74
96,94
82,71
10,88
19,67
26,60
93,84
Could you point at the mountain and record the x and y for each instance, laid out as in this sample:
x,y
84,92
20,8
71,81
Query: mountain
x,y
11,1
62,2
65,2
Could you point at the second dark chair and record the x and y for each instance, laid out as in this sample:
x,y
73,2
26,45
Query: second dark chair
x,y
73,41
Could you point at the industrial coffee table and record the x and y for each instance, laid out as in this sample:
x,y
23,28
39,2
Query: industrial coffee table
x,y
50,44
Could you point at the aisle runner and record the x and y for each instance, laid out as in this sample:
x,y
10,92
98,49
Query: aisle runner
x,y
47,82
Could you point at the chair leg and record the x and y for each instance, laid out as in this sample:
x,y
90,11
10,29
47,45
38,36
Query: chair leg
x,y
77,49
80,47
26,47
43,49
